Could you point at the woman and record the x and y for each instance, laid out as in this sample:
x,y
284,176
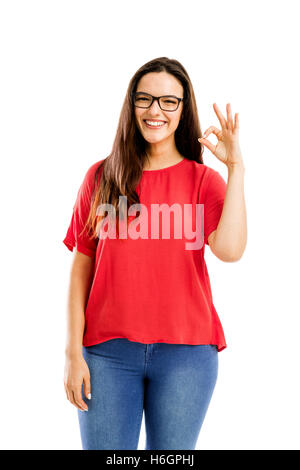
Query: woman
x,y
143,333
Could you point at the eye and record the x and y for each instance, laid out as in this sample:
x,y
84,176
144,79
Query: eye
x,y
169,100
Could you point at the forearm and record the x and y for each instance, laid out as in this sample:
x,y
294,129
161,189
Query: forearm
x,y
79,287
231,235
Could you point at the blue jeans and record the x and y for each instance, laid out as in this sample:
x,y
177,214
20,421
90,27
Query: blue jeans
x,y
172,383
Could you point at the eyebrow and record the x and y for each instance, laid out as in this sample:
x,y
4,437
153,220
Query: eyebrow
x,y
145,93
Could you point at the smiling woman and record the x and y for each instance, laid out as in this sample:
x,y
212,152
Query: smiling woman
x,y
158,104
146,336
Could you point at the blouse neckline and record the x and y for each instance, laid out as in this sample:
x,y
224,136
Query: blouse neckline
x,y
168,168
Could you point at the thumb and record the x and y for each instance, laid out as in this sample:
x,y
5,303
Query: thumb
x,y
87,387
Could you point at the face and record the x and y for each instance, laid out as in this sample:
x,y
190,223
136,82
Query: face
x,y
158,84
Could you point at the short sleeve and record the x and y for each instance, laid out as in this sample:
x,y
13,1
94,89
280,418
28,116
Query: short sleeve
x,y
81,209
213,202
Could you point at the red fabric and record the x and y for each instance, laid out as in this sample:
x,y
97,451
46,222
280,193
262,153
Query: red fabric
x,y
153,290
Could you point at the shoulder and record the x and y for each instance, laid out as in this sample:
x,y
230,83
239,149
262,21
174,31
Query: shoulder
x,y
90,173
93,167
215,184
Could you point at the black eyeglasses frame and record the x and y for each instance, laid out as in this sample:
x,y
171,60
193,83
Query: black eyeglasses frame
x,y
134,94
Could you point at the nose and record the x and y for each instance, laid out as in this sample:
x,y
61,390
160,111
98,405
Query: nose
x,y
154,108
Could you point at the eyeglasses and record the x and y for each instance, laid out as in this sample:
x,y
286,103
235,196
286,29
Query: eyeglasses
x,y
166,103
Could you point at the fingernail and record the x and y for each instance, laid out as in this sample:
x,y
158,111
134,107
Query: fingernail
x,y
89,396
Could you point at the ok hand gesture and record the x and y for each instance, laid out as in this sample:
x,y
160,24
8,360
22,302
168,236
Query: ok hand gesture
x,y
227,149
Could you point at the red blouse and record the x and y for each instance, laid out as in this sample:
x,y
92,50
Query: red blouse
x,y
153,290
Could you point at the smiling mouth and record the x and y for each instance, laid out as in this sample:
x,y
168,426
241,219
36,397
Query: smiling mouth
x,y
155,126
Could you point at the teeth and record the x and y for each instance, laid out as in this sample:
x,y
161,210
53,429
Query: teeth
x,y
156,124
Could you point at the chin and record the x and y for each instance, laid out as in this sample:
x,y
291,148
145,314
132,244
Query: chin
x,y
155,140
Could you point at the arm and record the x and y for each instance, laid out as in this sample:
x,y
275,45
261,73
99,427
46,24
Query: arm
x,y
79,287
229,240
76,369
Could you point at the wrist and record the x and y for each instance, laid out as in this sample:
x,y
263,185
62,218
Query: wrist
x,y
236,167
73,352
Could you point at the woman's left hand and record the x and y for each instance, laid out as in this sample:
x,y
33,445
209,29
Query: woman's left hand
x,y
227,149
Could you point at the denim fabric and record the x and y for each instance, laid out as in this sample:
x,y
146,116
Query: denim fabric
x,y
171,383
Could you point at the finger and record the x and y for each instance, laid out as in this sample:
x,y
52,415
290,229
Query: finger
x,y
71,396
73,401
208,144
87,387
67,391
220,116
78,399
237,122
229,116
212,130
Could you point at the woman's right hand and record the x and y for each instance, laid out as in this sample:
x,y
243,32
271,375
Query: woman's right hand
x,y
76,372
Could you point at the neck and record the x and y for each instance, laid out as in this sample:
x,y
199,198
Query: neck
x,y
162,153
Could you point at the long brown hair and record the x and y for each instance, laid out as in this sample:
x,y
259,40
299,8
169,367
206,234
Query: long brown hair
x,y
123,168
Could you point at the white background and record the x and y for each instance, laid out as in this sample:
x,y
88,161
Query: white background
x,y
65,68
